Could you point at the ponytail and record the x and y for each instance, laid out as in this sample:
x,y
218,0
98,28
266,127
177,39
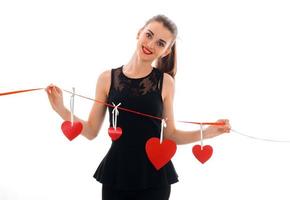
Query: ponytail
x,y
167,64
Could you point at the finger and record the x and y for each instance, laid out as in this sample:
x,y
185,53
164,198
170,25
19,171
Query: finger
x,y
48,90
222,120
226,121
55,90
58,90
50,85
224,129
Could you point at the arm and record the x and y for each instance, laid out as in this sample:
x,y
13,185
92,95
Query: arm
x,y
179,136
95,120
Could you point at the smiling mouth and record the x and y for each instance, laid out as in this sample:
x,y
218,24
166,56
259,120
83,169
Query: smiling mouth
x,y
146,51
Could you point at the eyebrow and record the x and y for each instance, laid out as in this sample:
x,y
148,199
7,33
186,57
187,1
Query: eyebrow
x,y
161,40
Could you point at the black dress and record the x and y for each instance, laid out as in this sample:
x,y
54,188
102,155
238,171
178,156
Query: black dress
x,y
126,165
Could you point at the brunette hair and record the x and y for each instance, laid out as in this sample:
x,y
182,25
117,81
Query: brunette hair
x,y
167,64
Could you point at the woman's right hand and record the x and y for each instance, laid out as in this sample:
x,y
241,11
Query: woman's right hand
x,y
55,97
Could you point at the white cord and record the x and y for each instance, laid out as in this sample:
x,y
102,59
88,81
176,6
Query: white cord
x,y
115,113
163,124
72,106
201,135
257,138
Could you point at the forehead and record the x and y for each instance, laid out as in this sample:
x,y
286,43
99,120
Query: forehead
x,y
159,30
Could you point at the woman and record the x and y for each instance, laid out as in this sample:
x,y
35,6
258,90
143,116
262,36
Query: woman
x,y
126,172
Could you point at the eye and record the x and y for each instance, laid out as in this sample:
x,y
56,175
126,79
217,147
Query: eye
x,y
160,44
148,35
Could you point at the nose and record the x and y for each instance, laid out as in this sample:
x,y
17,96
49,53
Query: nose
x,y
150,44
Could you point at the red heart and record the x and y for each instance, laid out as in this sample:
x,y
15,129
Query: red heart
x,y
71,131
202,154
115,134
160,154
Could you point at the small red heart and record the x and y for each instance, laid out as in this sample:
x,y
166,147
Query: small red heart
x,y
160,154
115,133
202,154
71,131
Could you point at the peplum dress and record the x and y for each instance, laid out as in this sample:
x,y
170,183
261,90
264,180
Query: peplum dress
x,y
126,165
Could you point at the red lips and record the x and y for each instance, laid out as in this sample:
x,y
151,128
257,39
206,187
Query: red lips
x,y
146,51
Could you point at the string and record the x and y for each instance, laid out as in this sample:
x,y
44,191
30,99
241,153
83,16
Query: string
x,y
72,107
163,124
125,109
115,113
19,91
144,114
201,136
258,138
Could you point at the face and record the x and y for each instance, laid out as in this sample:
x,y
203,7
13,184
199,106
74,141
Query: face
x,y
154,41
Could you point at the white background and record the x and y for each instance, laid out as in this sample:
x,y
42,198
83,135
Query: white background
x,y
232,63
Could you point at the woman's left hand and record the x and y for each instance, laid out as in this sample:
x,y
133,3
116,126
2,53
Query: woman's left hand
x,y
213,131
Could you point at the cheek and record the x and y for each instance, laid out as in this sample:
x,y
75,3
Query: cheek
x,y
143,39
159,51
140,41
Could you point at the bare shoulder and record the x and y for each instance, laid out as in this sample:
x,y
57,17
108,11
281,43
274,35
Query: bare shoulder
x,y
105,75
168,79
168,86
104,81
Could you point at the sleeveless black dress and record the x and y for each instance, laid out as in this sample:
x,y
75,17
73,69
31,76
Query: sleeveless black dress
x,y
126,165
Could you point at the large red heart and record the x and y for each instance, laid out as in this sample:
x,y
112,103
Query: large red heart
x,y
160,154
202,154
71,131
115,134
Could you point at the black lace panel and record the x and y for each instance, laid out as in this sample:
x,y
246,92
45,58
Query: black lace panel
x,y
136,87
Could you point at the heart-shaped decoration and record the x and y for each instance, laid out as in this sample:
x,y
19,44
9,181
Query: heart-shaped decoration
x,y
71,131
115,133
160,154
202,154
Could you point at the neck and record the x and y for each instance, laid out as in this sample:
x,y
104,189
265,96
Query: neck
x,y
136,66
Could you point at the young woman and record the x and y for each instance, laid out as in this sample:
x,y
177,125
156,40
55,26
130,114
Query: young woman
x,y
126,172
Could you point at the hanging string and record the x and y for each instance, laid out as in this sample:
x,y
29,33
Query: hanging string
x,y
72,107
201,135
163,124
115,113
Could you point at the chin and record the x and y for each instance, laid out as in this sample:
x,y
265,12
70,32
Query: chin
x,y
144,57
